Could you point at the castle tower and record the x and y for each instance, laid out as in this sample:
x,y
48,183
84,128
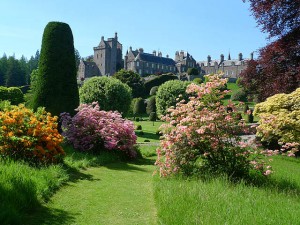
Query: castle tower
x,y
108,56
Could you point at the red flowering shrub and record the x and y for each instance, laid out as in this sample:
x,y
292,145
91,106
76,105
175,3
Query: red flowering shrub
x,y
202,135
29,136
92,129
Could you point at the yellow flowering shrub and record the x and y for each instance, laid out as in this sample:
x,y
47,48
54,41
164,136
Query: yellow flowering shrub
x,y
30,136
280,118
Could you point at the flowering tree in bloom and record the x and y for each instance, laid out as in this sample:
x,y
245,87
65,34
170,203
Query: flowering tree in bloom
x,y
92,129
202,135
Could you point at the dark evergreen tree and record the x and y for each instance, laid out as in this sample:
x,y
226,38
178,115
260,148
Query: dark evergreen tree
x,y
56,88
3,69
33,62
15,75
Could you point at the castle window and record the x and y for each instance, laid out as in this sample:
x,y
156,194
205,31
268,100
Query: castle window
x,y
97,56
152,65
140,71
137,63
147,64
157,66
226,72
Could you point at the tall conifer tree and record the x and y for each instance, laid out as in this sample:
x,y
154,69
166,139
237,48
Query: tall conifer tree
x,y
56,87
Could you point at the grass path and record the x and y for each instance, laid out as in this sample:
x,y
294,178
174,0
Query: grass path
x,y
119,193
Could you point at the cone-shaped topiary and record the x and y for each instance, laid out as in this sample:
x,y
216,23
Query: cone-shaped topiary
x,y
56,87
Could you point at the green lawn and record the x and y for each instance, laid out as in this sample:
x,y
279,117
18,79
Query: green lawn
x,y
218,201
149,130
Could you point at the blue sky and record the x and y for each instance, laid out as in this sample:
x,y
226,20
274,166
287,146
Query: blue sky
x,y
197,26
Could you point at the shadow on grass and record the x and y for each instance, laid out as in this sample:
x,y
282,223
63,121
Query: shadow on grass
x,y
50,216
131,166
276,185
147,135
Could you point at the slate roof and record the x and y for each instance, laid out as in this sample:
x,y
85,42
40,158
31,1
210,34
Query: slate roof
x,y
155,59
89,64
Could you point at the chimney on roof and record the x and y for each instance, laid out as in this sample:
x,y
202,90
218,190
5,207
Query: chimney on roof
x,y
240,56
154,52
251,55
159,54
102,38
141,50
208,58
130,49
167,56
221,58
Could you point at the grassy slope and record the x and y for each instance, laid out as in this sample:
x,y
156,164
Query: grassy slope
x,y
220,202
117,193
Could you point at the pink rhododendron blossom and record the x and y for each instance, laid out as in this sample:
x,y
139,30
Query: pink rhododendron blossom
x,y
202,135
93,128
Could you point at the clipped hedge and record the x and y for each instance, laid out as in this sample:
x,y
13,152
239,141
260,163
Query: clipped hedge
x,y
158,80
12,94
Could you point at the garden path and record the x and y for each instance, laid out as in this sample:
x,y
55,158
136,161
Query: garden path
x,y
118,193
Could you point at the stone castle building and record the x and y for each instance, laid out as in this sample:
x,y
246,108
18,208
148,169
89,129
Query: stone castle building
x,y
107,60
146,63
230,68
184,61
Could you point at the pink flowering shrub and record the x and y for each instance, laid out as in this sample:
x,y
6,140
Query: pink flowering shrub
x,y
92,129
202,135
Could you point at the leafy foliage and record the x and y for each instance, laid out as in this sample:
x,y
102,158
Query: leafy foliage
x,y
151,105
277,69
29,136
280,118
133,80
12,94
202,137
168,93
110,93
94,130
15,74
56,88
139,107
240,95
276,17
153,90
197,80
193,71
158,80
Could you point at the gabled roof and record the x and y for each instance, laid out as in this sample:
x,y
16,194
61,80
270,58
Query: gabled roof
x,y
155,59
86,63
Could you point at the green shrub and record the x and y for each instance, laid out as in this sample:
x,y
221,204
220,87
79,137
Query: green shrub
x,y
168,93
240,95
193,71
250,117
279,118
153,90
151,105
56,85
138,127
158,80
152,116
197,80
137,119
110,93
15,95
12,94
133,80
139,107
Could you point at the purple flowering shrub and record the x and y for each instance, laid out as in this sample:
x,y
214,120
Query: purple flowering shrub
x,y
92,129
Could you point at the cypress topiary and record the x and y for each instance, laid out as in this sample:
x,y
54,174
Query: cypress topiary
x,y
56,85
